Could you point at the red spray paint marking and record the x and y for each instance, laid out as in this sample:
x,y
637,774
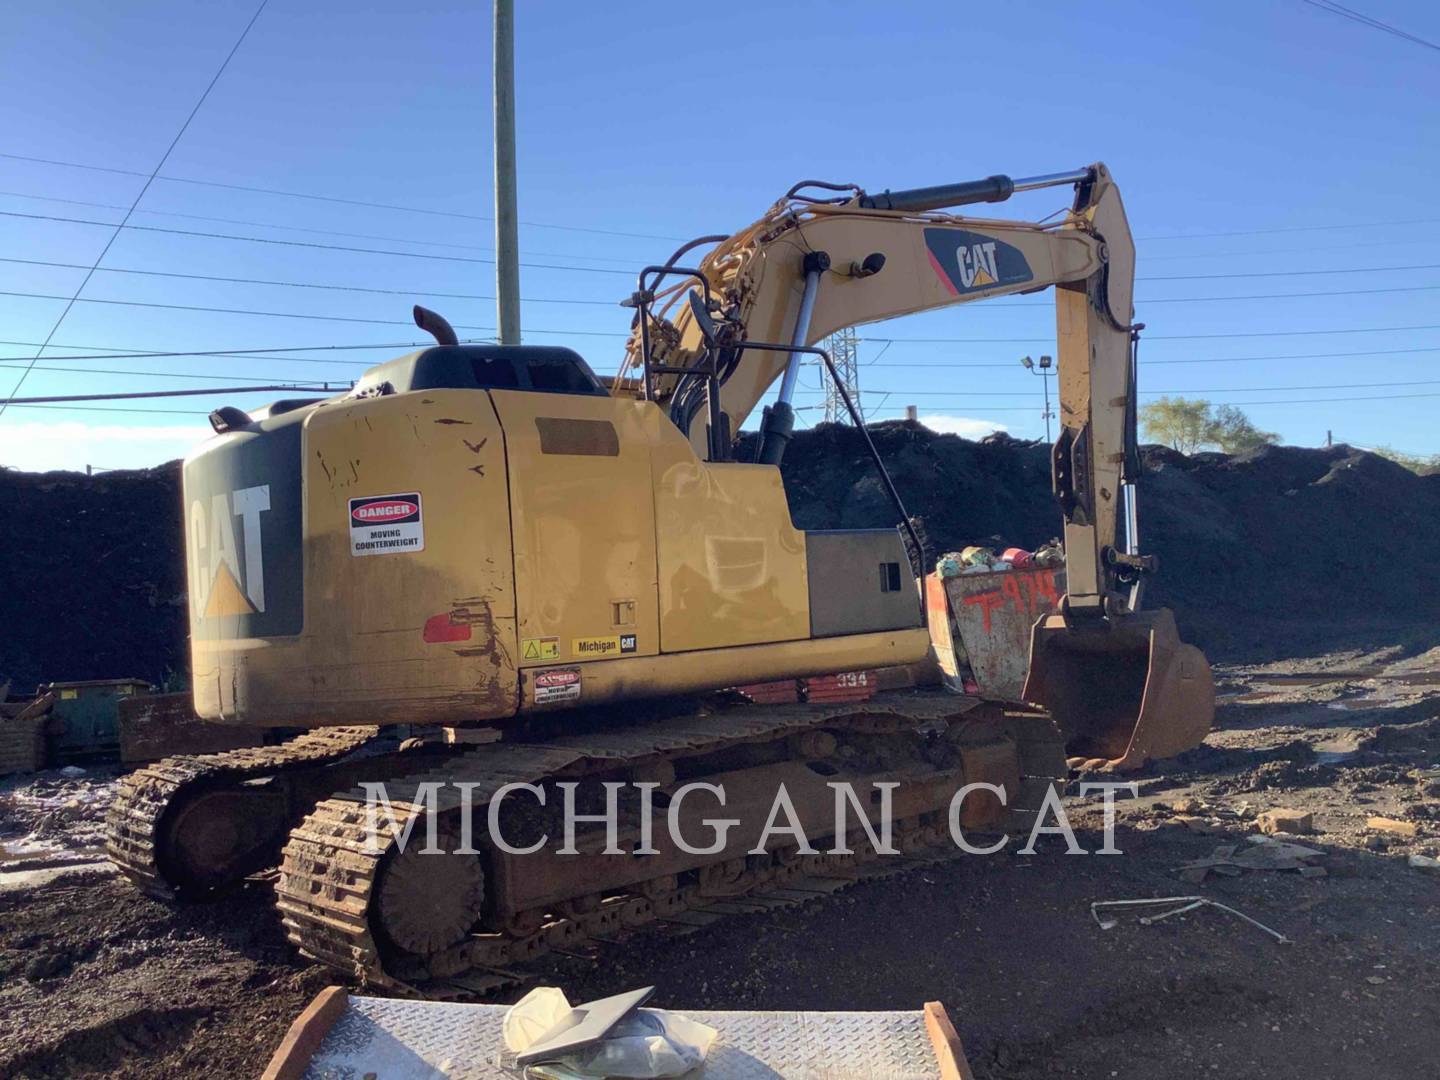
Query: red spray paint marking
x,y
1024,591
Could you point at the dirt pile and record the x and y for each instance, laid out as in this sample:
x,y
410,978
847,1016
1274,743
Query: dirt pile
x,y
1270,553
92,581
1274,552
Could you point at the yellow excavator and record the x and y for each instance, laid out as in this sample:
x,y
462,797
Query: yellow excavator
x,y
543,578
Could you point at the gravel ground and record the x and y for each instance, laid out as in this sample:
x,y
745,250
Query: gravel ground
x,y
96,980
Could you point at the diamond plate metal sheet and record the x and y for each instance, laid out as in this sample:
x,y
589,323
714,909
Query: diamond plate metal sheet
x,y
409,1040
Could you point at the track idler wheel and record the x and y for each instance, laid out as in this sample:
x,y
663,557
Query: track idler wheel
x,y
214,839
428,903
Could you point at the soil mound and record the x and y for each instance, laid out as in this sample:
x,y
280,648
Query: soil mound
x,y
92,578
1274,552
1261,554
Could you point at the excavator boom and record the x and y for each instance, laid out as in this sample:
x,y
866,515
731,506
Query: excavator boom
x,y
817,264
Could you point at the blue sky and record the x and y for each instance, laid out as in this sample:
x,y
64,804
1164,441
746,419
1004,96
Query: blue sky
x,y
1250,138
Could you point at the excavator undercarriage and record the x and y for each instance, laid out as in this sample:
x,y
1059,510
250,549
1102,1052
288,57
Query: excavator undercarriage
x,y
360,887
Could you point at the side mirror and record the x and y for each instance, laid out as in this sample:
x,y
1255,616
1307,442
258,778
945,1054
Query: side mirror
x,y
701,314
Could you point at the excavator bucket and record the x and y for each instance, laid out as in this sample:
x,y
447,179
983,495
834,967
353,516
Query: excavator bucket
x,y
1123,691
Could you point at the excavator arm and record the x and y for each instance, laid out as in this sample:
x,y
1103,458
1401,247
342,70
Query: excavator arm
x,y
710,340
811,267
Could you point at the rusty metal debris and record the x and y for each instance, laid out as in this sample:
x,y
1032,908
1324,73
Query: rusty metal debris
x,y
1186,903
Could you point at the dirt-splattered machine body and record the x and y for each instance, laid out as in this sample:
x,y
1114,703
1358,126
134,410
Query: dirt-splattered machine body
x,y
453,554
477,532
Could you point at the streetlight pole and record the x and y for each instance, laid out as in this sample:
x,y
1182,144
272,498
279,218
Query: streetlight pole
x,y
1043,370
507,232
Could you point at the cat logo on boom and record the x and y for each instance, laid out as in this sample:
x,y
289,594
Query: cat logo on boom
x,y
977,265
968,262
227,578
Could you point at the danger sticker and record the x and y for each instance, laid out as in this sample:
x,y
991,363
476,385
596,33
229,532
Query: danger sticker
x,y
557,684
540,648
592,648
386,524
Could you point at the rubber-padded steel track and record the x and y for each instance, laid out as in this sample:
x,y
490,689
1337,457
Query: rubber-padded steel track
x,y
331,869
145,797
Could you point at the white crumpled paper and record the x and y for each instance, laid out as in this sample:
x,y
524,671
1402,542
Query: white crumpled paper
x,y
647,1044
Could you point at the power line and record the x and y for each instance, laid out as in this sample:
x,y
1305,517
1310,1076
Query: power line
x,y
606,232
1159,393
804,390
881,390
228,311
291,314
620,334
132,354
338,199
803,408
116,409
1157,337
1248,296
301,228
127,395
302,284
1247,255
315,245
1293,356
1293,228
1149,362
136,202
1281,296
226,377
1286,273
1365,20
117,353
1237,404
611,303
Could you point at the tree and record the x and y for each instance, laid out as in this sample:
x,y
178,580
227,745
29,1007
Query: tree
x,y
1417,463
1232,431
1187,424
1181,423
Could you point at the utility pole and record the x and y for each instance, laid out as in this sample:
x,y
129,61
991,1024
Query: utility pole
x,y
507,228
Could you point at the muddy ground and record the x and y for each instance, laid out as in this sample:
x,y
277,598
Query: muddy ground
x,y
98,981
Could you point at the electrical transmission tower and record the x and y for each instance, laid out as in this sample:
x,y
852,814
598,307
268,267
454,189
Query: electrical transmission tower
x,y
843,348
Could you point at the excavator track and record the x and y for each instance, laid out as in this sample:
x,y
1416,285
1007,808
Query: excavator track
x,y
340,907
150,797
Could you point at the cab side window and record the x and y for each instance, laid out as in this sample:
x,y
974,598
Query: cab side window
x,y
495,373
558,375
